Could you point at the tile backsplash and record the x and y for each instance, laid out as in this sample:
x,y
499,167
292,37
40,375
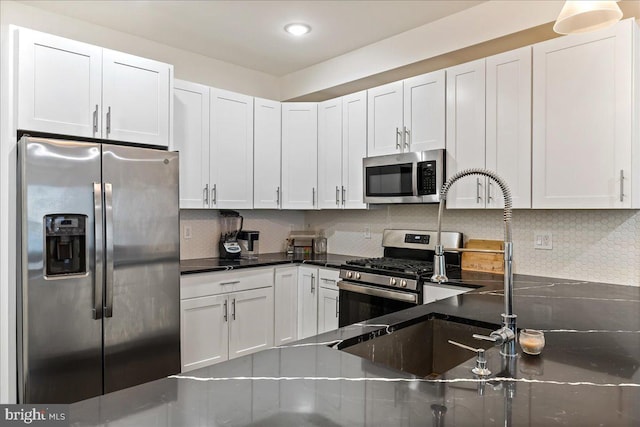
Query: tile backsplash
x,y
274,227
596,245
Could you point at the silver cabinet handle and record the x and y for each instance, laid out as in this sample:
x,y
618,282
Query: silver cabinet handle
x,y
233,306
214,194
489,192
407,137
206,195
108,207
313,196
337,311
621,185
226,312
278,196
108,121
337,196
313,283
98,280
344,192
398,136
95,120
235,282
478,185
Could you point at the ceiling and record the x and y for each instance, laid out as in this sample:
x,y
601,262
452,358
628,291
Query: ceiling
x,y
250,33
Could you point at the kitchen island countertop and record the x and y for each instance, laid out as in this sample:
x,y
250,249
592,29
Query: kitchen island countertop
x,y
588,373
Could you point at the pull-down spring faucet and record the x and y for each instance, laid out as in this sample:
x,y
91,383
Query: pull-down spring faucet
x,y
504,336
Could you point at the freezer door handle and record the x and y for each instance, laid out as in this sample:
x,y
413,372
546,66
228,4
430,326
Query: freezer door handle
x,y
98,242
108,289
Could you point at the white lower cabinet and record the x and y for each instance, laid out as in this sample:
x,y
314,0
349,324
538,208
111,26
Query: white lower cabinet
x,y
307,302
328,300
225,315
286,305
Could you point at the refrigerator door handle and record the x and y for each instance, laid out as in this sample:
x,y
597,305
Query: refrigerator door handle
x,y
99,258
108,289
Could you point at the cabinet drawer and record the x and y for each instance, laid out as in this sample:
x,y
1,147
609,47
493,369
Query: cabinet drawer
x,y
328,278
202,284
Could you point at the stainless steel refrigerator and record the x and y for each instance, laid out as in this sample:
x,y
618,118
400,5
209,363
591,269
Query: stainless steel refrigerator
x,y
98,272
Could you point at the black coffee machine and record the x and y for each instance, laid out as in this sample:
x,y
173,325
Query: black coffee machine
x,y
230,226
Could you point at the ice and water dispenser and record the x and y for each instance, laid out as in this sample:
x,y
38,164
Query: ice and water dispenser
x,y
65,244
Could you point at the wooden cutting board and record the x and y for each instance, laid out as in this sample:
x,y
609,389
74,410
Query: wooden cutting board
x,y
479,261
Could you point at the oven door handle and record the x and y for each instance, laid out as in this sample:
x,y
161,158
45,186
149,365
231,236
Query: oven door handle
x,y
377,292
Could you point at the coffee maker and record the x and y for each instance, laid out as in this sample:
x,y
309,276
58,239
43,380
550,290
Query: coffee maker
x,y
230,226
248,240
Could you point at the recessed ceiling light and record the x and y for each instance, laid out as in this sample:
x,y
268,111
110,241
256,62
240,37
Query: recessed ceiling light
x,y
297,29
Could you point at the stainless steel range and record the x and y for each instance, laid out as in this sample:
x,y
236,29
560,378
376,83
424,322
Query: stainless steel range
x,y
372,287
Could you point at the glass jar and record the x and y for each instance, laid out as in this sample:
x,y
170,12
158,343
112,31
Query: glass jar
x,y
531,341
320,244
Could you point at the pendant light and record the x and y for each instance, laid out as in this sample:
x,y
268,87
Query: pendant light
x,y
584,16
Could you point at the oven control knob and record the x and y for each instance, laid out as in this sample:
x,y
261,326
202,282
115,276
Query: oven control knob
x,y
349,274
403,283
358,276
392,281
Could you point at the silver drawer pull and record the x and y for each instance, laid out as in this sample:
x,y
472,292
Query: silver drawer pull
x,y
235,282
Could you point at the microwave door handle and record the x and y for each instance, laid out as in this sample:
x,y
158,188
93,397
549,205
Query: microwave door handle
x,y
414,179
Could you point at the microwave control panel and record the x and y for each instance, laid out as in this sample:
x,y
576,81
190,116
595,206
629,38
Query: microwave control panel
x,y
427,180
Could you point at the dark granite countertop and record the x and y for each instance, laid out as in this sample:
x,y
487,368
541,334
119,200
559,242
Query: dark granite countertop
x,y
203,265
587,375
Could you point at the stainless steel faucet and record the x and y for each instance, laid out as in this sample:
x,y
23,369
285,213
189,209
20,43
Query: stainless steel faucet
x,y
505,336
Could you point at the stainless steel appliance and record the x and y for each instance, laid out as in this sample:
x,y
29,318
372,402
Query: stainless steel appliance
x,y
99,276
230,226
249,243
404,178
373,287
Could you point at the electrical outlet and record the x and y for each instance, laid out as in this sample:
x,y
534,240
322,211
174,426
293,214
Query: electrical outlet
x,y
543,240
187,231
367,232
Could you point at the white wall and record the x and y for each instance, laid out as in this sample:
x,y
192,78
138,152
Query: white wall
x,y
487,21
187,65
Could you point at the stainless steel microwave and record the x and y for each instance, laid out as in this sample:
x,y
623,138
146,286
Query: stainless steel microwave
x,y
404,178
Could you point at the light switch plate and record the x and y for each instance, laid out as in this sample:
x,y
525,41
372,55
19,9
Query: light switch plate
x,y
187,232
543,240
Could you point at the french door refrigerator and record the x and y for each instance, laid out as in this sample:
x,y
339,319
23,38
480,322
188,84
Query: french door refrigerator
x,y
98,271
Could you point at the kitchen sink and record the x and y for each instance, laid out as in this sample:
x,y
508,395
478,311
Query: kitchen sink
x,y
420,347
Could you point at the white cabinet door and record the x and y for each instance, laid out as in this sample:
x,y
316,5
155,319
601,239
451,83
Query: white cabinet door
x,y
267,152
582,119
231,150
466,132
299,155
330,154
384,119
327,310
354,149
136,98
424,112
59,85
286,305
307,302
191,139
204,331
251,321
508,126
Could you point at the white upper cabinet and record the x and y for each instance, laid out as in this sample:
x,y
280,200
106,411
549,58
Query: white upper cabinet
x,y
77,89
354,149
407,115
60,85
136,98
330,154
583,118
267,152
299,155
231,150
191,139
465,132
508,126
424,112
385,119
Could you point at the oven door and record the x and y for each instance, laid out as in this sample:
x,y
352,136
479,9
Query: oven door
x,y
360,302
